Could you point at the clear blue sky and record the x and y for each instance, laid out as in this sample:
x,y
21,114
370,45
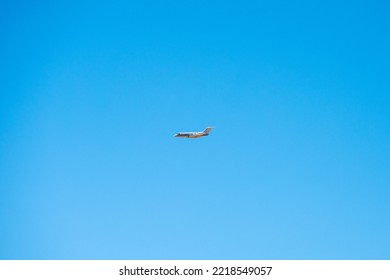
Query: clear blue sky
x,y
92,92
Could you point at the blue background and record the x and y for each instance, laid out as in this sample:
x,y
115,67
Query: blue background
x,y
92,92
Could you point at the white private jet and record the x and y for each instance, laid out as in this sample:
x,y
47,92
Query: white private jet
x,y
194,134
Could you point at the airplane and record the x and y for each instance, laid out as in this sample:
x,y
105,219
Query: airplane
x,y
194,134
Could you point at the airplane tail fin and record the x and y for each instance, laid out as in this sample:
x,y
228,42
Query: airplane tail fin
x,y
208,129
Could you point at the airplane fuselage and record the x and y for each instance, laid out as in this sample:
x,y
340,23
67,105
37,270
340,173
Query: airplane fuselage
x,y
194,134
191,134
